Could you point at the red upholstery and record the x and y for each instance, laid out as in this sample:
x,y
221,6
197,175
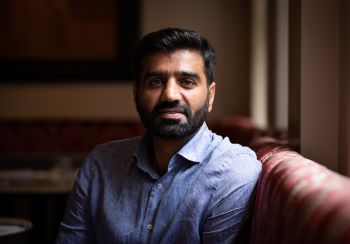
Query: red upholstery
x,y
42,144
62,136
80,136
298,200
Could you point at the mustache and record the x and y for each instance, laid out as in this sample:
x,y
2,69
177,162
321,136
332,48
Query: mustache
x,y
172,105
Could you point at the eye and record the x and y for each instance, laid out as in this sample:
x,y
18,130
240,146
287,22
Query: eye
x,y
187,83
154,83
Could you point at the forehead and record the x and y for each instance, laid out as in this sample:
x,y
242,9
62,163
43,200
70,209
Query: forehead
x,y
179,60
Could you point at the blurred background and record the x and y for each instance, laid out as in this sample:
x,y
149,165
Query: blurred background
x,y
282,66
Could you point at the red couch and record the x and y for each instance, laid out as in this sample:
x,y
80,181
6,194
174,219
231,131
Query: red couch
x,y
46,140
298,200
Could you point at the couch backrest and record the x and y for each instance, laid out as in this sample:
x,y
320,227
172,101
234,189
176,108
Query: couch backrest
x,y
32,141
47,136
298,200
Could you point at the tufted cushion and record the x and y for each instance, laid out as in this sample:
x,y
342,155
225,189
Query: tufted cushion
x,y
43,143
299,201
70,136
55,136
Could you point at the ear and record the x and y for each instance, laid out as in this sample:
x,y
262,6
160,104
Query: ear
x,y
211,95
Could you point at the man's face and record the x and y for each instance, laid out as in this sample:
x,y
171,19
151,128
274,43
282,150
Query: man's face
x,y
173,97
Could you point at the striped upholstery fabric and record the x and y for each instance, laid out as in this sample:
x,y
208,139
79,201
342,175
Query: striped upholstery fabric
x,y
299,201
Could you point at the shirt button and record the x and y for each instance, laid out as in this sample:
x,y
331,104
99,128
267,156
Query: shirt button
x,y
149,227
160,186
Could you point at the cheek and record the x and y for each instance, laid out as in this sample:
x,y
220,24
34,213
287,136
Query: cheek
x,y
147,100
197,100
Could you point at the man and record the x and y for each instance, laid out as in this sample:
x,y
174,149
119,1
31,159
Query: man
x,y
180,183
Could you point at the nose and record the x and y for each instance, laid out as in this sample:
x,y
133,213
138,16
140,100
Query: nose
x,y
171,91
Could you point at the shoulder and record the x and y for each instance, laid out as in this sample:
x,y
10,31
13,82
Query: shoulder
x,y
115,147
234,164
112,151
239,157
109,156
232,173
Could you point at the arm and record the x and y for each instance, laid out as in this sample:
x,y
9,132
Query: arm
x,y
228,217
76,226
229,220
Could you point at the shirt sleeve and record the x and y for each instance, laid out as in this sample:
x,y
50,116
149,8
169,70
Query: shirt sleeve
x,y
228,219
76,226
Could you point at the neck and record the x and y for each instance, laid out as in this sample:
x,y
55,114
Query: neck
x,y
164,149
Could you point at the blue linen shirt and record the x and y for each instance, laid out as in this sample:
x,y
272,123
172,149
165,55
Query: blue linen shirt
x,y
205,196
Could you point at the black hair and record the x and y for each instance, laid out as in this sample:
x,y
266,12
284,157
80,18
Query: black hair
x,y
172,39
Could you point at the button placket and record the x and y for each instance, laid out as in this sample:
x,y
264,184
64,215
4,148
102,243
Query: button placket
x,y
150,210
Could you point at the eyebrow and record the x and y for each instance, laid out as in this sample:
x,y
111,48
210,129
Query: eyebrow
x,y
153,74
179,73
188,74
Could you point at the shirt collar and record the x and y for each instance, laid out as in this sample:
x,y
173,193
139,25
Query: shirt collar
x,y
142,157
194,150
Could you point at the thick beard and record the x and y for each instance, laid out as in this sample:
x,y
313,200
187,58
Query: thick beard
x,y
172,129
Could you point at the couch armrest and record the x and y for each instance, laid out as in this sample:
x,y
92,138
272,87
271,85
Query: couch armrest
x,y
299,201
